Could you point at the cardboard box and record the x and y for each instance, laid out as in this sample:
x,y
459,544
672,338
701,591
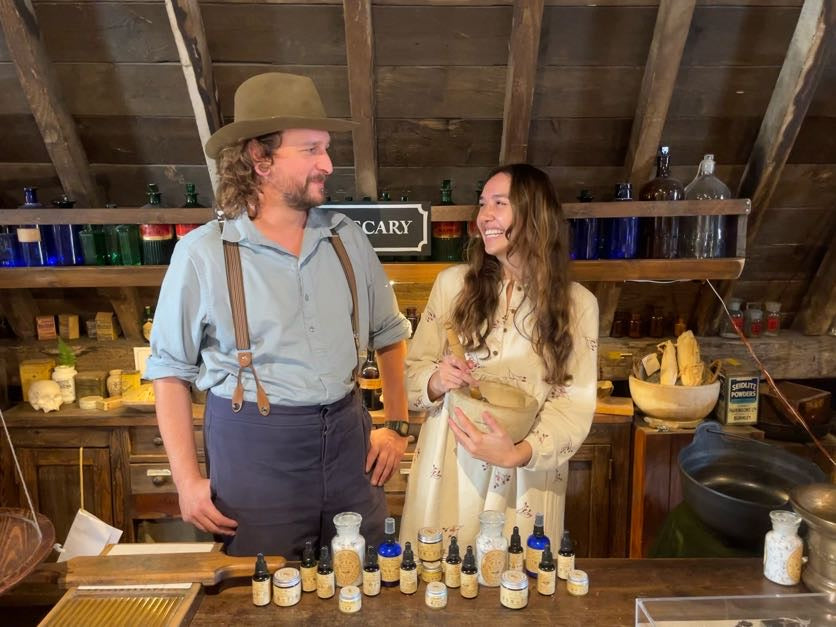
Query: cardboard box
x,y
34,370
738,402
46,327
107,326
68,326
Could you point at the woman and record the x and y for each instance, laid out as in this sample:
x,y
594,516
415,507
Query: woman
x,y
521,323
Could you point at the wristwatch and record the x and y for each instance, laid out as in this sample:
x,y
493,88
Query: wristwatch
x,y
401,427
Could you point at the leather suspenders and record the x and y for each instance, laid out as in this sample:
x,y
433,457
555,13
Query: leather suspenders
x,y
235,285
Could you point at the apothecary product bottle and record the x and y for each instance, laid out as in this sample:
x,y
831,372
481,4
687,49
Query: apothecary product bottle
x,y
64,376
113,256
469,588
635,326
578,583
261,582
516,555
325,586
773,317
371,573
66,238
565,556
661,233
308,567
157,239
753,320
389,556
537,541
430,548
546,573
413,318
657,322
130,244
93,245
728,327
287,587
191,201
583,233
33,239
350,600
513,591
782,549
408,571
453,565
348,548
491,548
448,236
435,596
622,233
370,383
704,236
431,571
9,249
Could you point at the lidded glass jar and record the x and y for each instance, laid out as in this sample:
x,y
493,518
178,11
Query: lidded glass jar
x,y
348,548
287,587
429,544
734,306
782,549
430,571
491,548
753,320
435,595
578,583
773,317
350,600
514,591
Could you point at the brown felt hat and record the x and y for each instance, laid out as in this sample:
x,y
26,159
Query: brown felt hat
x,y
273,102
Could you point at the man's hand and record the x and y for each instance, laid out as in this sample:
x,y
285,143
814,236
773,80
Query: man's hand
x,y
386,450
197,508
494,447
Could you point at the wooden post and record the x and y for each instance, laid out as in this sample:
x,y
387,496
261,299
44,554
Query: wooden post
x,y
128,309
791,97
20,310
190,37
40,86
519,81
818,309
360,58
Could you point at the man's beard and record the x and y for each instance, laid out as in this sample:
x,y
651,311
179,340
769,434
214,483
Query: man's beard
x,y
301,199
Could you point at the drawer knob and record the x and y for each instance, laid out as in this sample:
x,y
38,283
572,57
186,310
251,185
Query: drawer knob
x,y
158,441
158,481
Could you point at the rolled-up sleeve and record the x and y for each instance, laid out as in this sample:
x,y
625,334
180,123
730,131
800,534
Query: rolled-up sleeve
x,y
179,321
564,422
387,324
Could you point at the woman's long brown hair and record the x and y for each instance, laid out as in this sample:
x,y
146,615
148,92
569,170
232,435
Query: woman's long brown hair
x,y
538,242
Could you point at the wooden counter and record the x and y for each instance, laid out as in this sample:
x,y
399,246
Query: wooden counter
x,y
614,586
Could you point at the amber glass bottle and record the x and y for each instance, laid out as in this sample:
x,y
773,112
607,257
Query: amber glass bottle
x,y
660,234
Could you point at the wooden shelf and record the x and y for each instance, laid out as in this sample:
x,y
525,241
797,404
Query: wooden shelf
x,y
599,270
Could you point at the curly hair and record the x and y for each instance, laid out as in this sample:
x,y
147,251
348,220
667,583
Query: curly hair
x,y
237,180
538,237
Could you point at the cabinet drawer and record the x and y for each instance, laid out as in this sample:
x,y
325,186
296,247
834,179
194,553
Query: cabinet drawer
x,y
147,442
154,478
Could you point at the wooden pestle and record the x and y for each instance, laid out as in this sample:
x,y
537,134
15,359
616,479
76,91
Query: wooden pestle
x,y
458,351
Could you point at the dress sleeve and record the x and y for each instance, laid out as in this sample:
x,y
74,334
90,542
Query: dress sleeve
x,y
566,416
427,346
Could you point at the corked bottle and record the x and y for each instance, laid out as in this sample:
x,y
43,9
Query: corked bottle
x,y
470,575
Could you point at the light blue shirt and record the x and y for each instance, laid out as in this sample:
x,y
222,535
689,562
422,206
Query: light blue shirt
x,y
298,311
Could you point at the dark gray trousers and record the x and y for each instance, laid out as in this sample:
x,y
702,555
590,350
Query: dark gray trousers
x,y
285,476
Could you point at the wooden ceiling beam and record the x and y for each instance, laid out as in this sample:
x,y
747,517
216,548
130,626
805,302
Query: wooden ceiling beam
x,y
40,86
359,37
520,80
818,309
673,22
794,90
193,48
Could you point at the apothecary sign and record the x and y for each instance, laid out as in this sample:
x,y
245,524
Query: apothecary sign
x,y
396,228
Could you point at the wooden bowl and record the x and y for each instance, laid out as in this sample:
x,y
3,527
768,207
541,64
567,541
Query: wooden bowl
x,y
513,409
674,402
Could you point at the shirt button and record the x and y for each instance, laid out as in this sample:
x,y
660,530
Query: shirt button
x,y
495,353
310,329
307,297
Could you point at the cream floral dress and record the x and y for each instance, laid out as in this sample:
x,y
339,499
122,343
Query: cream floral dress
x,y
447,487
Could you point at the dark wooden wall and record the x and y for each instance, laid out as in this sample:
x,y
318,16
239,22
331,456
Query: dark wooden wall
x,y
440,69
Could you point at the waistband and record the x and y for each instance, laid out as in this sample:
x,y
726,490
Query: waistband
x,y
224,404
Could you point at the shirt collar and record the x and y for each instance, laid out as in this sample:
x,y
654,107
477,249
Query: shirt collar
x,y
319,225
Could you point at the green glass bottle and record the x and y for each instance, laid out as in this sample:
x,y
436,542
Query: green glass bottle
x,y
93,246
113,256
191,201
447,236
157,239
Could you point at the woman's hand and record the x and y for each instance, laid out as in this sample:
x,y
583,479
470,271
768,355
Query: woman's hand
x,y
494,447
453,372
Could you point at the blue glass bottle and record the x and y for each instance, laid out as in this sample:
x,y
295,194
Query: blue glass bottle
x,y
584,233
9,250
623,232
537,541
389,553
65,238
33,240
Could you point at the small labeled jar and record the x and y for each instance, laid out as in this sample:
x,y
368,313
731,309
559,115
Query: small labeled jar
x,y
350,600
773,317
782,549
753,322
734,306
431,571
429,544
348,549
578,583
513,590
287,587
435,595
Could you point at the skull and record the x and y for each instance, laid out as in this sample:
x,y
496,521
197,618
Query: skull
x,y
45,395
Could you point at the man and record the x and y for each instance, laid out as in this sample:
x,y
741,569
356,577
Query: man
x,y
288,444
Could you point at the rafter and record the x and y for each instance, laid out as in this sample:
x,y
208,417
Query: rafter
x,y
360,58
190,36
40,86
520,79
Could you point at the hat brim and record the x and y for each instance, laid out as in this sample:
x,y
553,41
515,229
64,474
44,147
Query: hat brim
x,y
247,129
